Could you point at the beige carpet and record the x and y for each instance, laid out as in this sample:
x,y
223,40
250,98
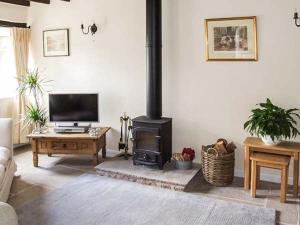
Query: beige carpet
x,y
95,200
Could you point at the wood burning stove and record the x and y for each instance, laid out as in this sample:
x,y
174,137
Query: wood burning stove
x,y
152,143
152,134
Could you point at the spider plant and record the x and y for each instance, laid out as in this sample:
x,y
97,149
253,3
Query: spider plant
x,y
35,115
273,121
32,84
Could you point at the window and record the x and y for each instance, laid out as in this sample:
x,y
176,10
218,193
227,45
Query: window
x,y
8,81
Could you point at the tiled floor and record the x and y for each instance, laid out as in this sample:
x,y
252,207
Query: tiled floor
x,y
54,172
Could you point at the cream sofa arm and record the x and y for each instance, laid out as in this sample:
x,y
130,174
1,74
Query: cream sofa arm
x,y
6,133
8,215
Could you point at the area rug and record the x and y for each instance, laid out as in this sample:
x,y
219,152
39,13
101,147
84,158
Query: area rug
x,y
169,177
95,200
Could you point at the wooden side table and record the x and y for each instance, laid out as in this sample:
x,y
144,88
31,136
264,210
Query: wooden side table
x,y
75,144
252,144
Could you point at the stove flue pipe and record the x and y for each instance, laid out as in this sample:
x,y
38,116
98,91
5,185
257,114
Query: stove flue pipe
x,y
154,58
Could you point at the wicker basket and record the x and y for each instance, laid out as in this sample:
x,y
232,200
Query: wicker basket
x,y
217,169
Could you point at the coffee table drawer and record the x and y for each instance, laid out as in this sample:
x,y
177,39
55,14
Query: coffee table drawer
x,y
64,146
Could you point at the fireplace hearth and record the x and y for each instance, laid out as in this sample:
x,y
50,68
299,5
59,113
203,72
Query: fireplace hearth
x,y
152,134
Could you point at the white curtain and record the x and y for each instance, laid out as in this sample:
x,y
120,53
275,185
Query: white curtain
x,y
21,40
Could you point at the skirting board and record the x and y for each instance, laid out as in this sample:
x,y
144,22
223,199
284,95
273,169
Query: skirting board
x,y
264,176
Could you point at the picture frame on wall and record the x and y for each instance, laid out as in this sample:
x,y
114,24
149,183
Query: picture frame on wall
x,y
56,43
231,39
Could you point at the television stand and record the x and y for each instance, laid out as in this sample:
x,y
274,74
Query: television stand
x,y
73,144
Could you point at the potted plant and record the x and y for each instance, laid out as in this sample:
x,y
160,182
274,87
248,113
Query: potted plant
x,y
272,123
185,159
31,86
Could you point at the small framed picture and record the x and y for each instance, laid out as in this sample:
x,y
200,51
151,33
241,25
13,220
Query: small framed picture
x,y
56,43
231,39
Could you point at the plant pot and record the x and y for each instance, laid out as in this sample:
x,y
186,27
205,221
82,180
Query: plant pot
x,y
183,165
268,140
39,130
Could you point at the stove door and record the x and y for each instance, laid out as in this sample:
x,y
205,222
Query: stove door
x,y
147,139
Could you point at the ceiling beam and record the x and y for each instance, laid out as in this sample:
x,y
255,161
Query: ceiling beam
x,y
17,2
40,1
12,24
27,2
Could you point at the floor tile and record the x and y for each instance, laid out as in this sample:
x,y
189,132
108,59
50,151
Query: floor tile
x,y
286,212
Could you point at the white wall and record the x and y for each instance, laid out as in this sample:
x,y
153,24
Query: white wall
x,y
13,13
207,100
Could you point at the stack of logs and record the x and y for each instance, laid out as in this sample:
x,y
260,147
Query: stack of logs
x,y
222,147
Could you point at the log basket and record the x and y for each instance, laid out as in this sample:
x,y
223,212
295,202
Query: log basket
x,y
217,169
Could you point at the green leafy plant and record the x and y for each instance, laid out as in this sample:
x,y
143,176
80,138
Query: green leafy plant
x,y
33,85
35,114
271,120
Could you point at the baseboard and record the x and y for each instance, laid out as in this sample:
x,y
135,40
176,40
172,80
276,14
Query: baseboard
x,y
264,176
16,146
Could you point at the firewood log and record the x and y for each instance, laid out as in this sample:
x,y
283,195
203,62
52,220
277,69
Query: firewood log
x,y
220,147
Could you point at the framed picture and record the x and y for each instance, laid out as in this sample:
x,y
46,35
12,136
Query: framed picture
x,y
231,39
56,43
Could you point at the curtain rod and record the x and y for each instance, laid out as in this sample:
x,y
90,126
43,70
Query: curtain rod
x,y
12,24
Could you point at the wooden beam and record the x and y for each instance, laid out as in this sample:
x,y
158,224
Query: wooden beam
x,y
27,2
17,2
12,24
40,1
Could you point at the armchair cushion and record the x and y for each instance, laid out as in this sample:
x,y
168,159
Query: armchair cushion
x,y
6,139
5,154
8,215
2,174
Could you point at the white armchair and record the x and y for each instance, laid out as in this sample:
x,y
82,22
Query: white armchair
x,y
6,133
7,171
8,215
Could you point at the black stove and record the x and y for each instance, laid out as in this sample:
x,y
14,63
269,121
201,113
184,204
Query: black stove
x,y
152,134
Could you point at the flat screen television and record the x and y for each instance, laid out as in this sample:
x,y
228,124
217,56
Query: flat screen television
x,y
73,108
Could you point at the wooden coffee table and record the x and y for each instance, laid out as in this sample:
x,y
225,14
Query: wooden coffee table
x,y
74,144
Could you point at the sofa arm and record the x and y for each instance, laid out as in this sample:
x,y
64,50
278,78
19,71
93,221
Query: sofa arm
x,y
6,133
8,215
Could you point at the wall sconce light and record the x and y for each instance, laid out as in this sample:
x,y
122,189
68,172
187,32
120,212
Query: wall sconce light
x,y
92,28
296,18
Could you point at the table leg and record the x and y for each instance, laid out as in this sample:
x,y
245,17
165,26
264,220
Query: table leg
x,y
104,147
296,174
284,181
95,155
95,159
35,156
253,179
35,159
246,167
257,177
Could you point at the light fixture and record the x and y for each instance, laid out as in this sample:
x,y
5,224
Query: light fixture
x,y
296,18
91,28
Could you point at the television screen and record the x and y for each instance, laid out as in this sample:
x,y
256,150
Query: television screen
x,y
73,107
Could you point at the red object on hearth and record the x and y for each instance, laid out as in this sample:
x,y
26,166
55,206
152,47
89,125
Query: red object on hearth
x,y
190,152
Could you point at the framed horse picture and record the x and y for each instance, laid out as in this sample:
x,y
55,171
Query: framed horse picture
x,y
231,39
